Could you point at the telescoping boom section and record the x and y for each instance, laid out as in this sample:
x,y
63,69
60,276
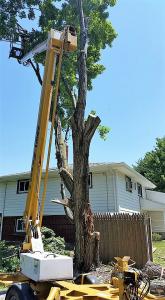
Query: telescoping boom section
x,y
56,44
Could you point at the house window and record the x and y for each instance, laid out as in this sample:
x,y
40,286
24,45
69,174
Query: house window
x,y
139,188
20,225
22,186
128,183
90,181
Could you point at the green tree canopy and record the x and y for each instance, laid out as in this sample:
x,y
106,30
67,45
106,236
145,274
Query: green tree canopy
x,y
152,166
56,14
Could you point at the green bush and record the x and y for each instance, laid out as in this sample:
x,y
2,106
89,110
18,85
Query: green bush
x,y
52,243
156,237
9,258
9,261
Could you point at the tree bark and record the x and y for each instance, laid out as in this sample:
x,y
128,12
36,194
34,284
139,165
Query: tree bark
x,y
86,240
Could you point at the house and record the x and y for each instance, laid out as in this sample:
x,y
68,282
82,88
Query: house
x,y
114,187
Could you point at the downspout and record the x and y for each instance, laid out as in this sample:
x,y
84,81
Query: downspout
x,y
106,180
140,207
4,202
115,192
164,220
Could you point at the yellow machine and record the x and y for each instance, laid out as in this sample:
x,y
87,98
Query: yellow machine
x,y
57,43
42,274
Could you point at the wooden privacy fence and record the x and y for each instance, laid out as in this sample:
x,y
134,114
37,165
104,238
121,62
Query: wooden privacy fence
x,y
124,234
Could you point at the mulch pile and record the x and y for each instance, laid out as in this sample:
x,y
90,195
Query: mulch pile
x,y
156,274
103,273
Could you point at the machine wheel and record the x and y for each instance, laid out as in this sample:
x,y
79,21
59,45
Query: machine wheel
x,y
20,291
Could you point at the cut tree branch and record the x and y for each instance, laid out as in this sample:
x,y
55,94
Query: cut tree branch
x,y
68,179
67,204
90,127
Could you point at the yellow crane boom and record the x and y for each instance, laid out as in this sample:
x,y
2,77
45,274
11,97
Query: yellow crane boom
x,y
54,46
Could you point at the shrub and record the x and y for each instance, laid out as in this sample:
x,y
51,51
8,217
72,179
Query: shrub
x,y
9,258
9,261
53,243
156,237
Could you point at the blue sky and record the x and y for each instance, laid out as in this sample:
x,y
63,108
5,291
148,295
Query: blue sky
x,y
129,96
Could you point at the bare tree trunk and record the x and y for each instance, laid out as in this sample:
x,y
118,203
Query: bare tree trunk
x,y
85,238
82,132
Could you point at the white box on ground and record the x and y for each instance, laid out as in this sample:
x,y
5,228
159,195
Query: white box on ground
x,y
46,266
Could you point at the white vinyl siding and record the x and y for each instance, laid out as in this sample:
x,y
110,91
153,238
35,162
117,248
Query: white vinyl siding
x,y
127,201
143,192
100,199
108,194
111,192
101,196
2,195
157,220
97,194
53,193
14,203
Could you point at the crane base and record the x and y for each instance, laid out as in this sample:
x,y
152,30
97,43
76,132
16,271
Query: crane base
x,y
46,266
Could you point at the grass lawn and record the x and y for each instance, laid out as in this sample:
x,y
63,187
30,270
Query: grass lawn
x,y
159,254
